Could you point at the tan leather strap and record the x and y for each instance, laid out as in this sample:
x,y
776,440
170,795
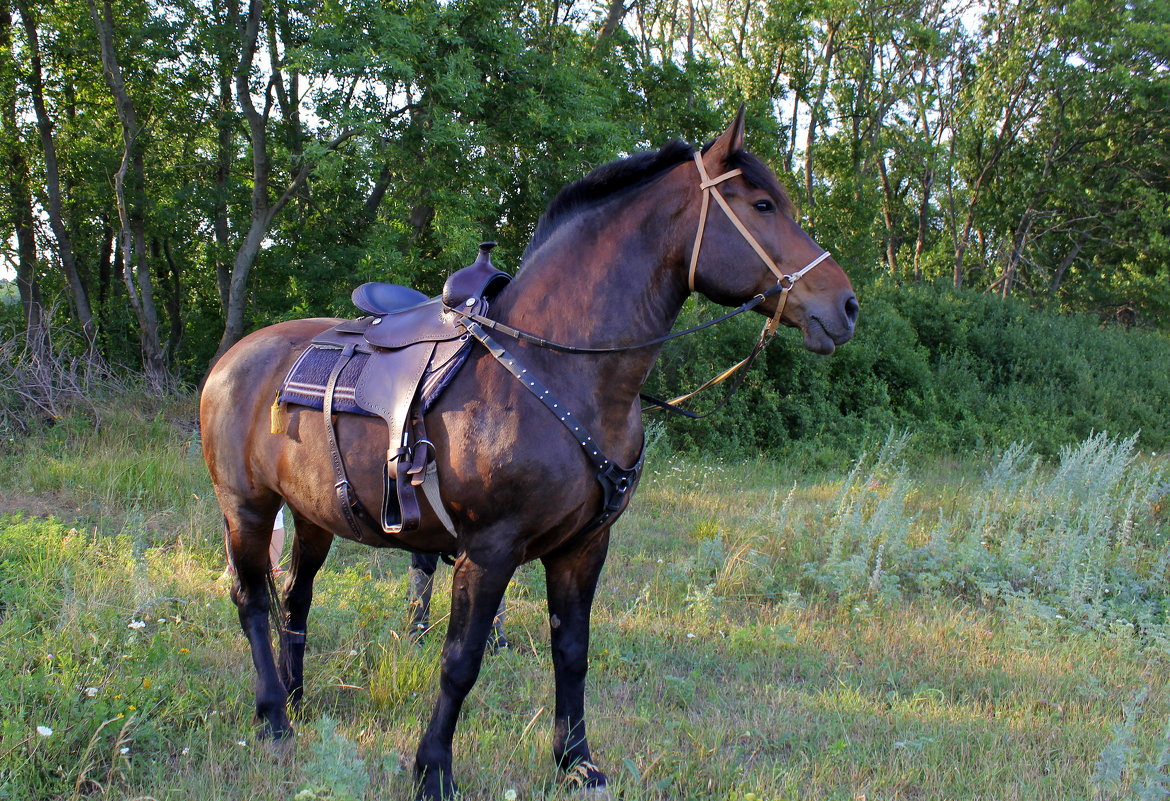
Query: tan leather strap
x,y
786,280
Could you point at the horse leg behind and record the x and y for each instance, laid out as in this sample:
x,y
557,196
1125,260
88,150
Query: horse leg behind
x,y
310,548
477,588
571,574
420,585
248,532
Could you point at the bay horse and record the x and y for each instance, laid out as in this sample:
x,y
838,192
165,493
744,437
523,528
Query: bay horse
x,y
611,262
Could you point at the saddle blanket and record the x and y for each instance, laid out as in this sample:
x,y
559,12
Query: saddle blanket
x,y
305,383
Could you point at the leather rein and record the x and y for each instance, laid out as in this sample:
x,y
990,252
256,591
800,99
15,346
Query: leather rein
x,y
784,284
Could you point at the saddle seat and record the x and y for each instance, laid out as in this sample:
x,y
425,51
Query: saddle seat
x,y
405,337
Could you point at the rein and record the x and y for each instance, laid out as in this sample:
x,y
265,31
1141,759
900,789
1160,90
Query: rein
x,y
784,284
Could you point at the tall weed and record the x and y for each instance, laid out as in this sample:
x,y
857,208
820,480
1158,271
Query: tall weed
x,y
1078,540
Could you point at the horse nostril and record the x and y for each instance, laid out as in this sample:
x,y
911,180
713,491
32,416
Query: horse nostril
x,y
851,310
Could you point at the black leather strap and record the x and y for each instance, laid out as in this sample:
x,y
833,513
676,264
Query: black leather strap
x,y
351,508
617,483
344,498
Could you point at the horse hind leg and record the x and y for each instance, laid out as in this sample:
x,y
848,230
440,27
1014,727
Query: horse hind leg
x,y
310,547
419,588
248,534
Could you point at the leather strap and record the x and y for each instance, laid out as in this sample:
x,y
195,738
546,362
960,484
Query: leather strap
x,y
345,499
430,486
617,483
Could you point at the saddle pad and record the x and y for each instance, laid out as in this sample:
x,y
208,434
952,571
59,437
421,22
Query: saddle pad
x,y
305,383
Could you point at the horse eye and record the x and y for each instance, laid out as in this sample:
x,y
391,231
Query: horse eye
x,y
765,206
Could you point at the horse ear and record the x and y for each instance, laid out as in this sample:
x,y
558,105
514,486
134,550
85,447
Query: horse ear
x,y
730,141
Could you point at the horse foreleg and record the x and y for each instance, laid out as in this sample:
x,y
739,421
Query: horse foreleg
x,y
571,575
475,596
310,548
247,543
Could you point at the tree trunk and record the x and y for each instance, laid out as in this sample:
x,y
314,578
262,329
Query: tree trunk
x,y
814,113
224,124
888,217
77,290
923,221
617,12
19,192
264,211
1069,258
131,175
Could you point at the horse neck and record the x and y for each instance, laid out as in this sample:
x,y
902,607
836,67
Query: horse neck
x,y
614,276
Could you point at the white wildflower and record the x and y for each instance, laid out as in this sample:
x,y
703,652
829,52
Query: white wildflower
x,y
44,731
91,692
137,624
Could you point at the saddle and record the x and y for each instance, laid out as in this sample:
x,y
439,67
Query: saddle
x,y
393,363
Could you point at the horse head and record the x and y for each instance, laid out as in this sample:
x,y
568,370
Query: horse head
x,y
748,243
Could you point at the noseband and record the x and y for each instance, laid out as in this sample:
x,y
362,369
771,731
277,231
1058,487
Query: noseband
x,y
785,280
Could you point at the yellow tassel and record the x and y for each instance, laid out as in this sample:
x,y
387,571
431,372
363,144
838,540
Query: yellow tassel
x,y
277,418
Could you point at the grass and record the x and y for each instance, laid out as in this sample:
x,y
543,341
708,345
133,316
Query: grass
x,y
762,631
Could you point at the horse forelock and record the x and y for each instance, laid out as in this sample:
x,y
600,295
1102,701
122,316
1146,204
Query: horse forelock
x,y
603,184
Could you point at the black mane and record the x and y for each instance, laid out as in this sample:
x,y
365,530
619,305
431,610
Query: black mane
x,y
636,170
603,183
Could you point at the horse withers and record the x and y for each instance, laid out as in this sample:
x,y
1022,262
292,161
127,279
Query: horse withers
x,y
536,450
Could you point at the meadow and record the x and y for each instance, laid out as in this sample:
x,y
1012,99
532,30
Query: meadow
x,y
888,625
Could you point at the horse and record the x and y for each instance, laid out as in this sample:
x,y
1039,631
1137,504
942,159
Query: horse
x,y
611,262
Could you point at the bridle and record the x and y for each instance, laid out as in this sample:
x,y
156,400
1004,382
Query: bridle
x,y
784,283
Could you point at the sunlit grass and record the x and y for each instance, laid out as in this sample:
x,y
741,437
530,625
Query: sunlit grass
x,y
722,663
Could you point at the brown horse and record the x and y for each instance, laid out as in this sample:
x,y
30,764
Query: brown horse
x,y
611,262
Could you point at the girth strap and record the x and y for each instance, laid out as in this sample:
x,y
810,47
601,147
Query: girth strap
x,y
351,507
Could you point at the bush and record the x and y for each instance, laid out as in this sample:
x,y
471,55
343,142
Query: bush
x,y
962,369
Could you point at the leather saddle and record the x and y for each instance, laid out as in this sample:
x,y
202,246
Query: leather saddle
x,y
407,336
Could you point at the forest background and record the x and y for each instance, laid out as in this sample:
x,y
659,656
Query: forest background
x,y
993,176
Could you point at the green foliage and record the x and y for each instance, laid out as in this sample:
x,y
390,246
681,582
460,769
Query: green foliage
x,y
1080,542
332,771
959,368
1027,156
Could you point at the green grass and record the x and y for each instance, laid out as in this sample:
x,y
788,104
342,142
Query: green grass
x,y
744,643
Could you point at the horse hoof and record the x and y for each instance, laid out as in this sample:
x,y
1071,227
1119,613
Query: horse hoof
x,y
283,746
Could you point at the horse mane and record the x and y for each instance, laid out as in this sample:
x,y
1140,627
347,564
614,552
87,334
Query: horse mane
x,y
627,173
603,183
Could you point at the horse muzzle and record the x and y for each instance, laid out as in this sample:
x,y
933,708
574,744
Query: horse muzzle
x,y
827,325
